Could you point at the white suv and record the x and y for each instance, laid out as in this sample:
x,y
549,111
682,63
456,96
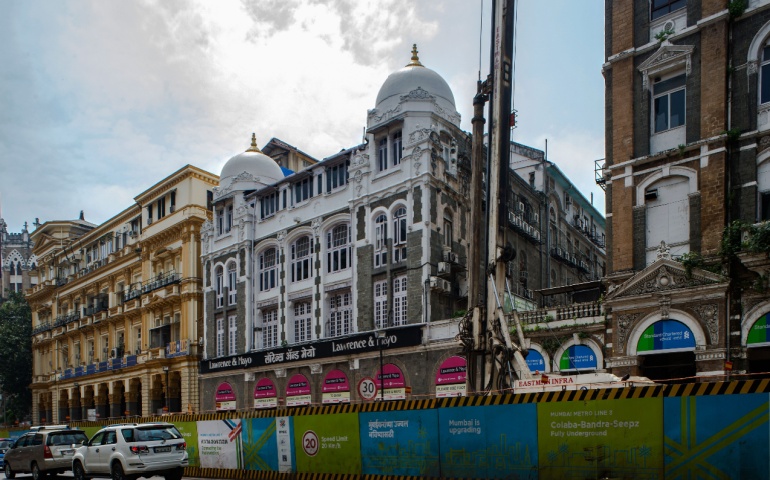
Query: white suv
x,y
130,451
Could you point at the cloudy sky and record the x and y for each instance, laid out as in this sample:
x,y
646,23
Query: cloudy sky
x,y
100,99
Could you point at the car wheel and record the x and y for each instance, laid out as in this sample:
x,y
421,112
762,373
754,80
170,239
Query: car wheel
x,y
78,471
8,472
175,474
117,471
36,473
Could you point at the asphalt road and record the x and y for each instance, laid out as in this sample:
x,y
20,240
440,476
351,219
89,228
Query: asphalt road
x,y
24,476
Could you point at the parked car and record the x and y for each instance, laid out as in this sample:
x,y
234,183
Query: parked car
x,y
5,444
46,451
129,451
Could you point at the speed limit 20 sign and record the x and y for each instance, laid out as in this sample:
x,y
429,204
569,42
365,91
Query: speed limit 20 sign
x,y
367,389
310,443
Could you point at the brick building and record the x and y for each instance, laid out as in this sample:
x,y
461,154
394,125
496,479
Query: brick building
x,y
687,120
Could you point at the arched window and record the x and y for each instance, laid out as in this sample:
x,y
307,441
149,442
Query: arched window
x,y
268,269
300,259
399,235
448,229
668,216
380,240
220,284
338,248
232,284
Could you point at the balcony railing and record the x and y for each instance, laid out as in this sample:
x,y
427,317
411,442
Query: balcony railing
x,y
43,327
160,281
574,311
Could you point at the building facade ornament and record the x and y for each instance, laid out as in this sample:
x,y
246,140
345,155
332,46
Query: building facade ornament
x,y
709,317
665,307
624,326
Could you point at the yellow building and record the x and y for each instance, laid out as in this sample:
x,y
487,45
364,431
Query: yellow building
x,y
117,312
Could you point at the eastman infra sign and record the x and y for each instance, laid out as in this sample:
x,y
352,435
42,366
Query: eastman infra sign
x,y
409,336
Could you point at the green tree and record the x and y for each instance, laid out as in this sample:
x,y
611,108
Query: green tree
x,y
16,355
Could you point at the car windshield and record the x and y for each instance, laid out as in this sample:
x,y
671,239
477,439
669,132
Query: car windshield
x,y
154,432
67,438
6,443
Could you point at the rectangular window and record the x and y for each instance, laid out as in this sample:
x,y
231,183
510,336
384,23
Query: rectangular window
x,y
229,218
270,328
161,207
764,206
149,214
399,236
380,241
269,205
173,202
268,270
340,315
303,190
220,221
300,256
448,230
302,322
664,7
220,289
397,148
669,103
399,300
380,304
232,285
336,177
382,154
232,335
764,75
220,337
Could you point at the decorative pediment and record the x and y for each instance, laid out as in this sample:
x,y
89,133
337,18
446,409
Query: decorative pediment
x,y
667,57
662,277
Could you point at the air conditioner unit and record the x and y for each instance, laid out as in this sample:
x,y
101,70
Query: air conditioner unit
x,y
437,283
745,236
113,353
450,256
132,233
444,268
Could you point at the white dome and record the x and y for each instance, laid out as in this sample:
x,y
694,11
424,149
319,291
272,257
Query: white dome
x,y
254,163
414,76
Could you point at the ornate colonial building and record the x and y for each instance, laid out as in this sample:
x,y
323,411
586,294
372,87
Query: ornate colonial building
x,y
687,103
117,311
351,272
16,260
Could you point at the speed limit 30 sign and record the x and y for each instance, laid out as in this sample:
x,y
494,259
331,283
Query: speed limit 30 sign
x,y
367,389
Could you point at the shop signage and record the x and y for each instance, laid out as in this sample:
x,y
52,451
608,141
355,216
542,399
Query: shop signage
x,y
408,336
577,357
298,391
535,361
391,379
225,397
336,388
669,335
759,334
265,394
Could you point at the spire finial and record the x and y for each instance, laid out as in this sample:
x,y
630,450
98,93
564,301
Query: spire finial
x,y
254,147
415,59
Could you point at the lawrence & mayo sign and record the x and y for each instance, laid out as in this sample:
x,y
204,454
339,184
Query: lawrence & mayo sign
x,y
352,344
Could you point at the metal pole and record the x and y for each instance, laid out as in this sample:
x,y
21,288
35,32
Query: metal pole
x,y
167,409
382,372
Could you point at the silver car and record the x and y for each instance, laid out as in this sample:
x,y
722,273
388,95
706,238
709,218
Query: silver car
x,y
43,452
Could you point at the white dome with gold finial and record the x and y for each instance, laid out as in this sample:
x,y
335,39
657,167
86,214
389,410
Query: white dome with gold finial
x,y
412,77
255,164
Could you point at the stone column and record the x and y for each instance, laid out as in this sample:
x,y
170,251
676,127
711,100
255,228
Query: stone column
x,y
116,400
131,403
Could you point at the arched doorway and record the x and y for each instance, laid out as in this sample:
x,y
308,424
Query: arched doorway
x,y
666,348
756,337
103,401
175,392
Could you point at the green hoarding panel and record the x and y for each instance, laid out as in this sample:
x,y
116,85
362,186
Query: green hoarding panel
x,y
601,439
327,443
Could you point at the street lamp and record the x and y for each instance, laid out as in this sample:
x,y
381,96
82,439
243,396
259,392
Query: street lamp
x,y
380,342
165,407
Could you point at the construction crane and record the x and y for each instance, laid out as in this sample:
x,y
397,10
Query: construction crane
x,y
494,359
